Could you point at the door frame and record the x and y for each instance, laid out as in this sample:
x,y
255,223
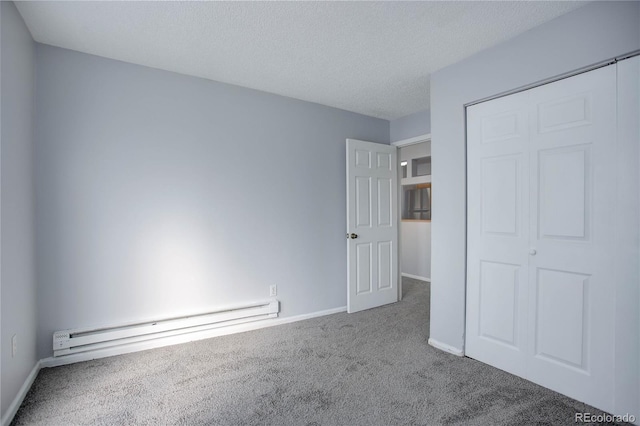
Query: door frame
x,y
426,137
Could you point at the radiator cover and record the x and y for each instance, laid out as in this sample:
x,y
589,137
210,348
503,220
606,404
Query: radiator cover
x,y
67,342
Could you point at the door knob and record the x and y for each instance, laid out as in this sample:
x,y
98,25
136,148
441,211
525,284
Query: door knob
x,y
532,251
354,236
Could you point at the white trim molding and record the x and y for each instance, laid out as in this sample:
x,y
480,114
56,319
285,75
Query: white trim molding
x,y
412,141
22,393
445,347
416,277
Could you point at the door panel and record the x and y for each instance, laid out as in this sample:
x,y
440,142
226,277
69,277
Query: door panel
x,y
541,239
561,320
497,233
564,192
363,202
500,192
564,113
572,175
372,205
363,268
385,265
363,159
384,202
499,288
384,161
504,126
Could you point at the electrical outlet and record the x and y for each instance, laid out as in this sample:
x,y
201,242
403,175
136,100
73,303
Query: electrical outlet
x,y
14,345
273,290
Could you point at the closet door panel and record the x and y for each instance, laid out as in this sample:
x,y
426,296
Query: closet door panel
x,y
571,287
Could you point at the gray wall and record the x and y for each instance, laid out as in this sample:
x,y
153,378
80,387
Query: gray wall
x,y
416,248
160,194
591,34
18,291
410,126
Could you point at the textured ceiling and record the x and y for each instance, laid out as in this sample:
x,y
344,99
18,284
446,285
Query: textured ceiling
x,y
374,58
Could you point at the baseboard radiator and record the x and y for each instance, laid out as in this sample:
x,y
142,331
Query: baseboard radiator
x,y
68,342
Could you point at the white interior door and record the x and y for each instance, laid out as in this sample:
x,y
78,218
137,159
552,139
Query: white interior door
x,y
372,225
541,239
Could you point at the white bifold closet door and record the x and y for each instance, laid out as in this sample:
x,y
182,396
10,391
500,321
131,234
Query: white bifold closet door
x,y
541,235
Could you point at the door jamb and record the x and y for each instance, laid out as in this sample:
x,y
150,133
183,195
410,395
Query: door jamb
x,y
404,142
411,141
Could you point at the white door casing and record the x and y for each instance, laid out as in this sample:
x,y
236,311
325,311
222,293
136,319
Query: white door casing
x,y
627,220
372,225
541,239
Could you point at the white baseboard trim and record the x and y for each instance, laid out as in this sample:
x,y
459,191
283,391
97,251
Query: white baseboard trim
x,y
302,317
182,338
446,348
416,277
17,401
